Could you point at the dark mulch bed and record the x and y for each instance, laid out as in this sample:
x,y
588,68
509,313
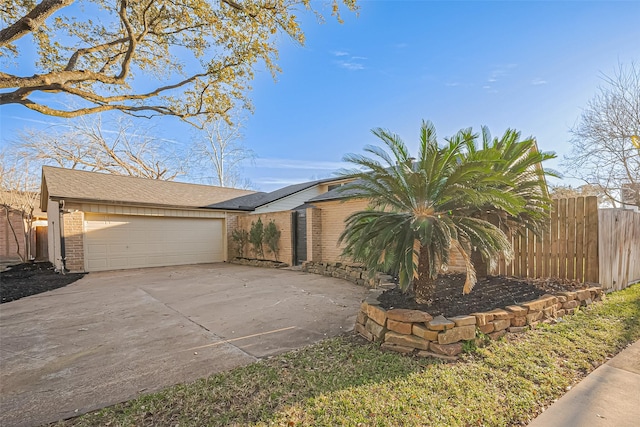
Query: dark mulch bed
x,y
489,293
32,278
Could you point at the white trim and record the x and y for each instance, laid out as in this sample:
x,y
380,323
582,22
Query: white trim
x,y
145,211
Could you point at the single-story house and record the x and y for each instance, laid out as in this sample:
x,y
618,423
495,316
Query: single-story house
x,y
310,230
293,216
98,221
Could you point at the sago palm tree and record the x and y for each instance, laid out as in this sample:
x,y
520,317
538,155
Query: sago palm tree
x,y
521,163
422,208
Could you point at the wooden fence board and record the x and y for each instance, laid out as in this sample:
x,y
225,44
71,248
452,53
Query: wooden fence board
x,y
531,254
546,247
618,248
591,238
571,237
562,238
516,250
539,257
522,235
580,265
554,241
581,243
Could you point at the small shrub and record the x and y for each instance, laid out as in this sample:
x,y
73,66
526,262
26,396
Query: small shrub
x,y
256,237
272,238
240,238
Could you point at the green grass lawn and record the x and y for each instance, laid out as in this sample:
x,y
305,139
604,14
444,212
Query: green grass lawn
x,y
345,381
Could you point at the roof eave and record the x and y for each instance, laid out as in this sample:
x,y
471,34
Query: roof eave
x,y
137,204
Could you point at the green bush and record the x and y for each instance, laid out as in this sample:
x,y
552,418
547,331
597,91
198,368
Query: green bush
x,y
272,238
240,238
256,237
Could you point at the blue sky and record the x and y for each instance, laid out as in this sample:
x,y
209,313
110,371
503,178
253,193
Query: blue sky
x,y
531,66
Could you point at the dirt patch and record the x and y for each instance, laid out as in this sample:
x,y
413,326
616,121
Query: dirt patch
x,y
489,293
26,279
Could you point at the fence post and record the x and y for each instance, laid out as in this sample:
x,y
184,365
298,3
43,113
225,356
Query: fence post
x,y
591,237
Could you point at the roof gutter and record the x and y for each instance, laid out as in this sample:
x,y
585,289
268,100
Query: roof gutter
x,y
138,204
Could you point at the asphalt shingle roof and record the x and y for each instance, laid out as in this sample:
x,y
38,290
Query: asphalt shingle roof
x,y
75,184
336,194
256,200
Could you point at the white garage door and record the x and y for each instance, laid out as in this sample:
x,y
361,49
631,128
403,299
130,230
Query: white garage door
x,y
115,242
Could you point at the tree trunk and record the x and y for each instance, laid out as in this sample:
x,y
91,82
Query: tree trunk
x,y
424,286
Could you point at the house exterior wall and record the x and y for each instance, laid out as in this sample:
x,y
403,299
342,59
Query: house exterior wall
x,y
232,224
289,202
314,234
72,219
74,240
283,223
332,216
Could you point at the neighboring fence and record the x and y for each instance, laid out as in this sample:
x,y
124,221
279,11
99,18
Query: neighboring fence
x,y
619,248
567,250
8,245
582,244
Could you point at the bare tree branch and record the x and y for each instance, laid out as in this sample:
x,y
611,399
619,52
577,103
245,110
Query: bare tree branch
x,y
603,154
90,145
218,147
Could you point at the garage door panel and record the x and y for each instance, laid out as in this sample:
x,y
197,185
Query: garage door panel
x,y
119,241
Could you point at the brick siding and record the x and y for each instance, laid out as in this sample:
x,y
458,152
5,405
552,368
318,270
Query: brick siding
x,y
333,214
314,234
74,241
283,223
325,223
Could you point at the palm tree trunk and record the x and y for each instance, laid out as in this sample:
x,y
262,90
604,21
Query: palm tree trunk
x,y
424,287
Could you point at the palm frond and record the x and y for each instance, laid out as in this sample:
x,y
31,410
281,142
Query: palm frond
x,y
459,195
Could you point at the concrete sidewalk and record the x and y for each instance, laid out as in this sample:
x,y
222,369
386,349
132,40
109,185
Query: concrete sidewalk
x,y
607,397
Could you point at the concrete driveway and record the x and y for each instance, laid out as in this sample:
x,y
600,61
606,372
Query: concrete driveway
x,y
114,335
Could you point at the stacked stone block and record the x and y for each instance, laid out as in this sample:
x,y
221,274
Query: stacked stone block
x,y
352,272
417,332
259,263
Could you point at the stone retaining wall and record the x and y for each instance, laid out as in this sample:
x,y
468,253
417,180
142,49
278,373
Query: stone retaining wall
x,y
417,332
352,272
258,262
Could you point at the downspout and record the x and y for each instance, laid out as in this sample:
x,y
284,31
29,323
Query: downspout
x,y
63,254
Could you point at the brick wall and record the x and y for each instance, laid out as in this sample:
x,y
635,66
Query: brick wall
x,y
283,222
73,240
8,246
333,213
325,223
314,234
332,216
232,224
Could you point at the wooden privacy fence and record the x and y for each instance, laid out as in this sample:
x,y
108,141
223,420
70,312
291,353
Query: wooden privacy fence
x,y
619,247
568,249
